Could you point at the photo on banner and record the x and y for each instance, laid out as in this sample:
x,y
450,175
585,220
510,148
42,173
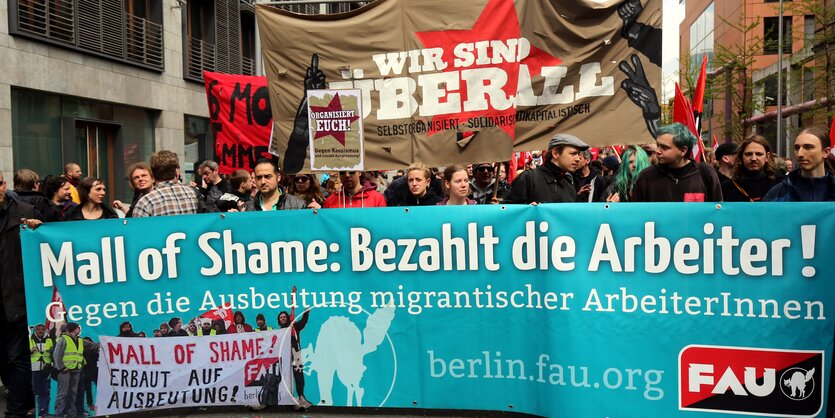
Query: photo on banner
x,y
336,133
637,309
241,119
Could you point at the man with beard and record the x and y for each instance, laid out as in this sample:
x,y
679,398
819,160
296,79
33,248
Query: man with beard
x,y
126,330
552,182
72,172
261,323
354,194
58,193
239,326
726,160
270,195
676,177
754,174
284,321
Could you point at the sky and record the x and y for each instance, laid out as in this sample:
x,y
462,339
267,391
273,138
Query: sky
x,y
673,15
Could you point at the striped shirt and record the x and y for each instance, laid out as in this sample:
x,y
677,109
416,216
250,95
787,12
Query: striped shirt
x,y
167,198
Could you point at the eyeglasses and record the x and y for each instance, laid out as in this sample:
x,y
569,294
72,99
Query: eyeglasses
x,y
487,168
302,179
2,182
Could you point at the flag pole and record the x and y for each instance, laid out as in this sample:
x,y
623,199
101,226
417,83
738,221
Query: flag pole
x,y
780,136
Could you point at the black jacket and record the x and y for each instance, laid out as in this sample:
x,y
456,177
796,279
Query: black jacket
x,y
74,213
285,202
796,188
36,199
11,260
429,199
748,188
546,184
695,182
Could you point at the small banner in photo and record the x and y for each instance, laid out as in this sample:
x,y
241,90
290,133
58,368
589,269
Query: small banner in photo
x,y
336,139
246,369
242,120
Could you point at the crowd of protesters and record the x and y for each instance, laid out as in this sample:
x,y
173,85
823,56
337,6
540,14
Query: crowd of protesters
x,y
664,171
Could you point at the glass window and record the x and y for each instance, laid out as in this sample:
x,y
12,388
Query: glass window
x,y
771,33
808,31
36,132
198,140
104,138
808,84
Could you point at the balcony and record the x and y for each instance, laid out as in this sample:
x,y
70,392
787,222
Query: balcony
x,y
98,27
201,57
247,66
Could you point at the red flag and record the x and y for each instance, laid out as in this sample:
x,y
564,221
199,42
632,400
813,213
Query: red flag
x,y
699,94
221,312
56,310
683,113
832,134
511,168
715,142
618,149
240,106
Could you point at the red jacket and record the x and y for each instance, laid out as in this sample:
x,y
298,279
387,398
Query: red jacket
x,y
233,329
366,197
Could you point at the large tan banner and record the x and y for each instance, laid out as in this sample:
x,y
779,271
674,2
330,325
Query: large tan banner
x,y
468,81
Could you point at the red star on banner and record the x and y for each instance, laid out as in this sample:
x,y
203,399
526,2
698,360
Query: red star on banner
x,y
498,21
334,105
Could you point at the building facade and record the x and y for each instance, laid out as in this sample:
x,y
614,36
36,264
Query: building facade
x,y
104,83
740,40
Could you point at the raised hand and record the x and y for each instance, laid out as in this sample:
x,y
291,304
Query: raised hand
x,y
314,79
629,11
641,93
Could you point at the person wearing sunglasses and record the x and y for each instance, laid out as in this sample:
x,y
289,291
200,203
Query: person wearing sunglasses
x,y
306,187
481,186
354,194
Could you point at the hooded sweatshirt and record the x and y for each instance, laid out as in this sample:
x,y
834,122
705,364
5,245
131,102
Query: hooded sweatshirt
x,y
238,328
796,188
691,183
366,197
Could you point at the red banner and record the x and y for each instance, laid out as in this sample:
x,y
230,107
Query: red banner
x,y
239,108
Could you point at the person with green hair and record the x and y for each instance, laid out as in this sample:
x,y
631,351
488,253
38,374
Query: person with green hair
x,y
676,177
621,188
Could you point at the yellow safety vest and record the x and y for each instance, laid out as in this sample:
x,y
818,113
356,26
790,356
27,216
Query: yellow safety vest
x,y
268,329
37,355
73,353
200,332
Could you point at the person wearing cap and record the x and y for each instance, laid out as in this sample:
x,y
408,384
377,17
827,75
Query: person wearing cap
x,y
725,155
552,182
676,177
69,360
754,172
604,178
261,323
176,325
481,186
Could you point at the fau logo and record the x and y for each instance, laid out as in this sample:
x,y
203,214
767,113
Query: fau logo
x,y
737,380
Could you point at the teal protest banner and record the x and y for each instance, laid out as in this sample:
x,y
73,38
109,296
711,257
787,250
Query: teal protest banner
x,y
555,310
